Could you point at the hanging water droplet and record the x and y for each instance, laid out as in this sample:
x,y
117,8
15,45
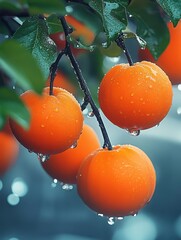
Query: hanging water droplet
x,y
100,214
66,186
14,87
30,151
120,218
111,220
179,110
74,145
90,114
134,214
42,157
54,183
141,42
133,132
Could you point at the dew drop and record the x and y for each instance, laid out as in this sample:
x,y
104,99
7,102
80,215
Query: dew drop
x,y
14,87
54,183
111,220
120,218
74,145
66,186
42,125
90,114
30,151
134,214
42,157
100,215
133,132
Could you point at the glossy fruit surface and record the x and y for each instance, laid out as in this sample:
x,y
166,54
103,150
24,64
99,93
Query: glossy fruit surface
x,y
64,166
56,121
9,149
116,182
170,59
135,97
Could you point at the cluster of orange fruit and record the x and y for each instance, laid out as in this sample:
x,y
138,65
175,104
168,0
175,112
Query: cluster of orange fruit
x,y
116,182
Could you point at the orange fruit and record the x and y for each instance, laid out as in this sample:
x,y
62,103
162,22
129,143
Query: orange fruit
x,y
170,59
117,182
61,81
9,149
64,166
56,121
135,97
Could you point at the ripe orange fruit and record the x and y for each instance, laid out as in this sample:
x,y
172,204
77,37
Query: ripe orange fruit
x,y
135,97
118,182
56,121
64,166
9,149
61,81
170,59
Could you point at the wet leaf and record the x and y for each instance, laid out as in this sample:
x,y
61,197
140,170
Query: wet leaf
x,y
34,36
18,63
12,106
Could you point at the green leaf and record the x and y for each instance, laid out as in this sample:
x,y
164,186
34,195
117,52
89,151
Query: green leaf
x,y
54,24
172,8
45,6
19,64
12,106
9,5
150,25
33,35
113,16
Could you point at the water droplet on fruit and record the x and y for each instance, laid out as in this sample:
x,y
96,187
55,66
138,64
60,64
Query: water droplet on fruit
x,y
54,183
133,132
134,214
42,125
30,151
100,214
66,186
90,114
42,157
74,145
120,218
111,220
150,86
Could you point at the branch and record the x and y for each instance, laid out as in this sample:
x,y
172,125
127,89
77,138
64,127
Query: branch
x,y
121,44
84,86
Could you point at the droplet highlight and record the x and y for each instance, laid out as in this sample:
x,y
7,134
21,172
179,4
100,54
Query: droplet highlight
x,y
42,157
66,186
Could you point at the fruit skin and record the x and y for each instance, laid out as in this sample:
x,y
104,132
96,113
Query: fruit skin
x,y
116,182
61,81
170,59
9,149
135,97
56,121
64,166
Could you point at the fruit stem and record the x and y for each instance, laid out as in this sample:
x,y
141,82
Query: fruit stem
x,y
121,44
53,70
88,98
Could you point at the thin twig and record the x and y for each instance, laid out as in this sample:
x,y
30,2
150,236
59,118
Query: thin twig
x,y
121,44
53,70
85,88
